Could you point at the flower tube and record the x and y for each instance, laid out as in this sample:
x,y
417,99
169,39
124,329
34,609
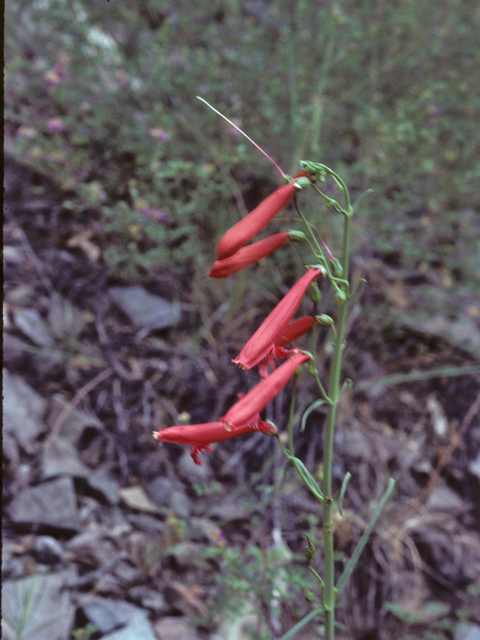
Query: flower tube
x,y
272,328
246,256
293,331
246,411
201,436
248,227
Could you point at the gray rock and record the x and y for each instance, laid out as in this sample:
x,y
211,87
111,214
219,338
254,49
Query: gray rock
x,y
443,498
108,614
136,498
139,628
126,572
146,522
37,607
74,421
467,631
48,550
92,547
101,480
23,411
30,323
144,309
175,628
160,491
190,472
50,504
181,504
60,457
149,599
474,467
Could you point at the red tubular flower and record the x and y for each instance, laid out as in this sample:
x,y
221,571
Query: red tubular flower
x,y
292,332
246,411
302,174
272,328
248,227
246,256
200,436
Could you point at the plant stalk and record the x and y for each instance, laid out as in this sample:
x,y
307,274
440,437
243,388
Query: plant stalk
x,y
328,595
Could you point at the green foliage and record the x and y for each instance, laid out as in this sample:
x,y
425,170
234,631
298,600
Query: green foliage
x,y
254,576
101,96
84,633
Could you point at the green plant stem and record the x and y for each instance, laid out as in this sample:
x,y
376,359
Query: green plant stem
x,y
328,595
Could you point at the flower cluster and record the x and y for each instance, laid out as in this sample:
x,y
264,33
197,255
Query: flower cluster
x,y
269,340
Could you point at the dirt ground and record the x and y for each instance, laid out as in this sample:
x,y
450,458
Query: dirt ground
x,y
89,386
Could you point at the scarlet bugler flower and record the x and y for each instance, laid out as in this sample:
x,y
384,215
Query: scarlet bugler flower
x,y
293,331
248,227
246,411
246,256
272,328
201,436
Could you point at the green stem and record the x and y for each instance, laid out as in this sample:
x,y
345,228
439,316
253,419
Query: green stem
x,y
328,599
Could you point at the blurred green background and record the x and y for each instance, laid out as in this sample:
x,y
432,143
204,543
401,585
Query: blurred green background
x,y
101,97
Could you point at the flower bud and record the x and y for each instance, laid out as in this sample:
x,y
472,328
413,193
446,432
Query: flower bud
x,y
302,182
340,297
337,267
314,293
297,236
323,320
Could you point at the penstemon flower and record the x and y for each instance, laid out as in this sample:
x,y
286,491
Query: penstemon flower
x,y
201,436
248,227
272,328
246,256
246,411
293,331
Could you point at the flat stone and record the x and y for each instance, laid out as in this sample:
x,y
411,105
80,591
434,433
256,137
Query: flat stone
x,y
149,599
50,504
108,614
92,547
37,607
174,628
126,572
139,627
467,631
136,498
145,309
31,324
101,480
60,457
23,411
75,422
474,466
443,498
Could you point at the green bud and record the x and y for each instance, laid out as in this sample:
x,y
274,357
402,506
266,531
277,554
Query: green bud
x,y
323,320
297,236
302,182
318,266
340,297
309,595
314,292
337,267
